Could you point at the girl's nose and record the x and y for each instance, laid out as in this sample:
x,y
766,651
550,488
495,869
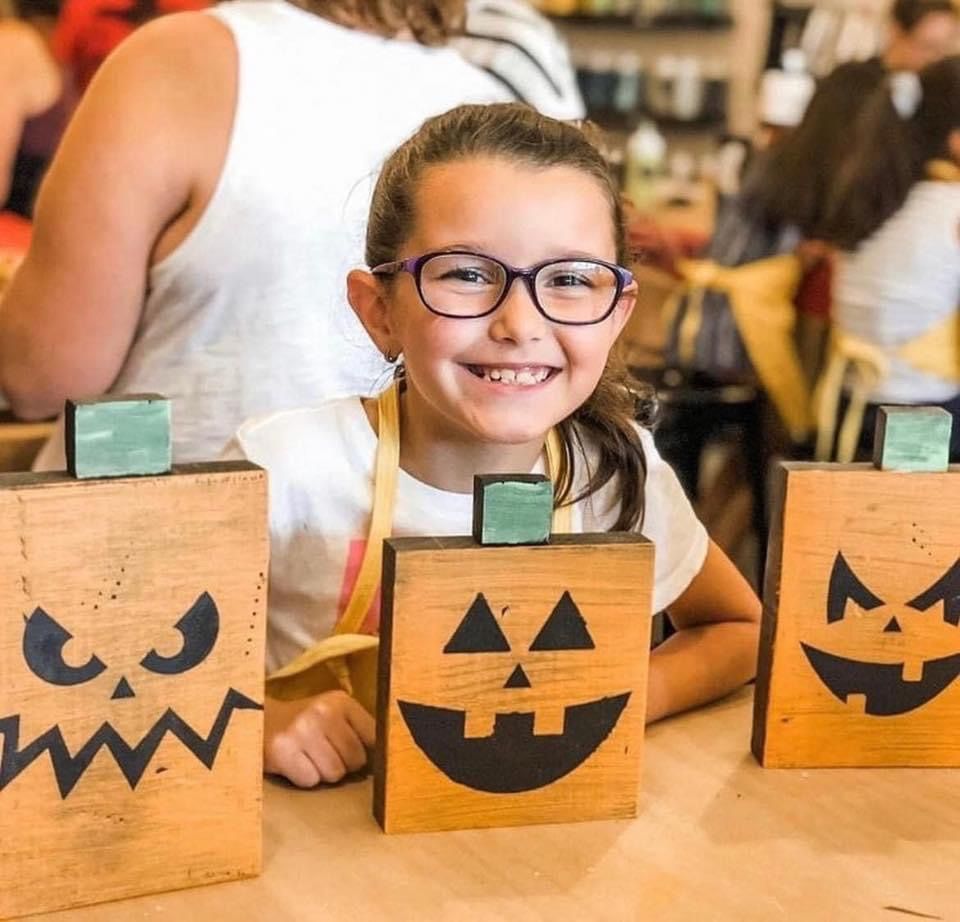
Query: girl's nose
x,y
517,319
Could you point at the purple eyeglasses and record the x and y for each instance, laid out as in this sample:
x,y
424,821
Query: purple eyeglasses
x,y
461,284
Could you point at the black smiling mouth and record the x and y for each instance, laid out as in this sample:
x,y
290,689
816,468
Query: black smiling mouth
x,y
512,759
887,694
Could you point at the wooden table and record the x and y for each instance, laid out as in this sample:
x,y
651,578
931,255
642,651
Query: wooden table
x,y
718,839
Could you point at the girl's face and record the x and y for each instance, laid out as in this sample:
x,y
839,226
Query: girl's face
x,y
510,376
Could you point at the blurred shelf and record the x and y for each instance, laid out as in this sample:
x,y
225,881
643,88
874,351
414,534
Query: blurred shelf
x,y
667,22
620,122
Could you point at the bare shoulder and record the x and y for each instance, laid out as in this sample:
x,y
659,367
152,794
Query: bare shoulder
x,y
17,37
187,58
159,111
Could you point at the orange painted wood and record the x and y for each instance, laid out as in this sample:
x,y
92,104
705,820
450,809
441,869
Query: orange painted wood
x,y
873,678
160,583
498,717
718,838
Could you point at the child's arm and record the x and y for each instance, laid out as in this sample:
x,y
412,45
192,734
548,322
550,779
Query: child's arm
x,y
715,648
316,739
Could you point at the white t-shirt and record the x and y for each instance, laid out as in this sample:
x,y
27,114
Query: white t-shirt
x,y
321,462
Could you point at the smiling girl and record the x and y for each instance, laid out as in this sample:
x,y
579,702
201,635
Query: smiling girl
x,y
496,247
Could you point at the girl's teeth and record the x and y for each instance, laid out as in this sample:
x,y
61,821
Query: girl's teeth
x,y
524,377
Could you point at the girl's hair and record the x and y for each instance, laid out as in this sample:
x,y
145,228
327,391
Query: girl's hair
x,y
889,152
519,134
431,22
790,184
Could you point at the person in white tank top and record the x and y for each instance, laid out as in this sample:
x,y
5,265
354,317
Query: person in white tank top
x,y
896,223
196,227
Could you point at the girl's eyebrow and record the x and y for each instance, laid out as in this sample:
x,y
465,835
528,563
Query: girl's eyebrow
x,y
470,247
483,250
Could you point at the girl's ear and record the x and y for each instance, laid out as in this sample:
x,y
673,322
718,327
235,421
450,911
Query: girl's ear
x,y
624,308
367,298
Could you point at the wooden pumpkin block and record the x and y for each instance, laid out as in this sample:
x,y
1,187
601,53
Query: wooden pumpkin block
x,y
131,654
512,681
860,647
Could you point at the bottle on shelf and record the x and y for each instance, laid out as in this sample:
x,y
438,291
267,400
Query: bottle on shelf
x,y
645,163
784,93
688,90
628,93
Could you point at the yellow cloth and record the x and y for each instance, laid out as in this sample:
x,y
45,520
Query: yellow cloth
x,y
937,352
943,171
760,294
348,659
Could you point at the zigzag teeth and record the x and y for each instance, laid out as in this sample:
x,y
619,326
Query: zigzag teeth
x,y
132,761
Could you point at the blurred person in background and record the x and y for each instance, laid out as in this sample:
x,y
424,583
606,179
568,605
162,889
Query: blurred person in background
x,y
35,102
920,32
895,221
520,48
195,229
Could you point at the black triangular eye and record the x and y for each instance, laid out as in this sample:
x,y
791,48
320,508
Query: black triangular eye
x,y
478,632
199,628
565,629
43,643
845,585
946,590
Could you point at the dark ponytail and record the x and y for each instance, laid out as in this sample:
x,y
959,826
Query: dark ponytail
x,y
610,416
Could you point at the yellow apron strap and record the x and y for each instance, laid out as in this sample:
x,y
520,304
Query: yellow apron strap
x,y
384,493
381,524
870,366
936,352
381,516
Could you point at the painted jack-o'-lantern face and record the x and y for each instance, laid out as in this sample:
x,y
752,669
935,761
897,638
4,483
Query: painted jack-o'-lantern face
x,y
513,758
885,686
44,643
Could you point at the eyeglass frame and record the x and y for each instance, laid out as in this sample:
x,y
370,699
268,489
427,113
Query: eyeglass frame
x,y
414,266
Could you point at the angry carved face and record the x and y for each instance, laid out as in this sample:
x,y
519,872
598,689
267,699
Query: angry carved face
x,y
904,682
45,644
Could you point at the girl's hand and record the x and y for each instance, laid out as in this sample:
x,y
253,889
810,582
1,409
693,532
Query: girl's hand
x,y
316,739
